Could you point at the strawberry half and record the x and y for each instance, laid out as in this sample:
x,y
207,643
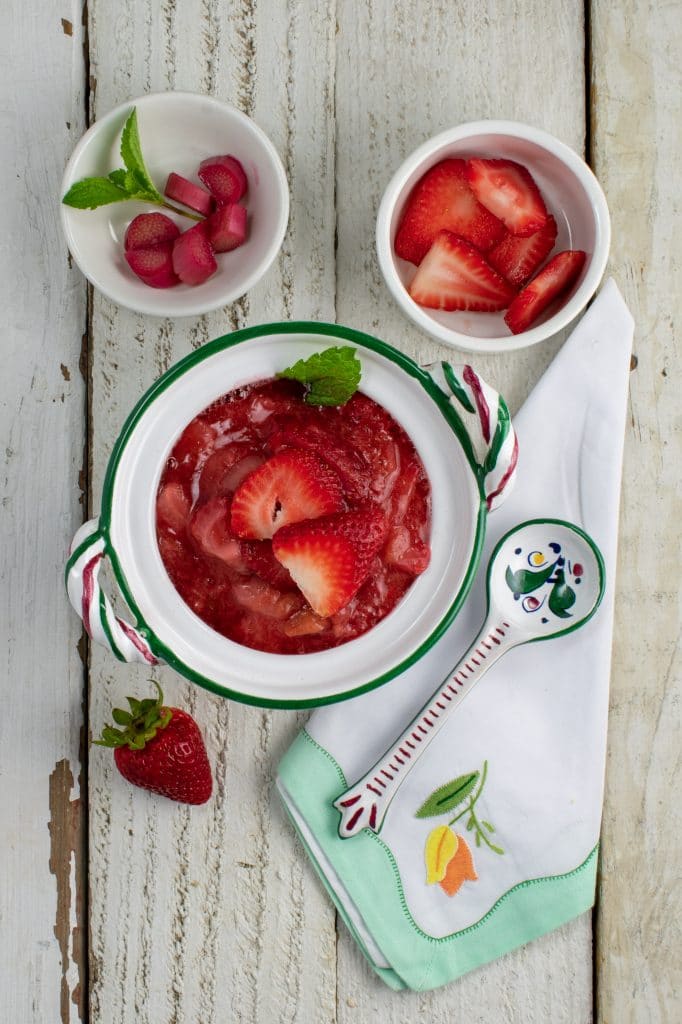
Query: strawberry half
x,y
454,275
330,558
443,200
508,191
160,749
291,486
517,258
554,279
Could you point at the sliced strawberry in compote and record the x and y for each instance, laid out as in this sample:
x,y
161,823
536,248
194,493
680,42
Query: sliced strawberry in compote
x,y
348,464
289,487
329,558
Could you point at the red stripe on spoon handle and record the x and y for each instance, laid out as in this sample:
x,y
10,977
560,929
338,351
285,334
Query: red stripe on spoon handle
x,y
365,804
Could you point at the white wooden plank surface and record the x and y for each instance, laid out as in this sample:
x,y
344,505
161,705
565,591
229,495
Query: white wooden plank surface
x,y
211,914
42,430
637,142
404,72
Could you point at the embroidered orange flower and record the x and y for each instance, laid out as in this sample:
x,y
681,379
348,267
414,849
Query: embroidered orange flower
x,y
447,854
460,869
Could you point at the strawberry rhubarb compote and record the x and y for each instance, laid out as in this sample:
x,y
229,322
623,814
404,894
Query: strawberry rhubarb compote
x,y
289,527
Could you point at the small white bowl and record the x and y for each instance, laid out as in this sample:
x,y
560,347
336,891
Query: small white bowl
x,y
177,131
572,194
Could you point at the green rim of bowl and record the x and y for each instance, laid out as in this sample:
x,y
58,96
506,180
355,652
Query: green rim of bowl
x,y
160,649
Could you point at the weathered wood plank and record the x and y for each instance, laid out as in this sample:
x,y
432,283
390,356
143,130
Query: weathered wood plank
x,y
211,914
42,425
636,114
405,71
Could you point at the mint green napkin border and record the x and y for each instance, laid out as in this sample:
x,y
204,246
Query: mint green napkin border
x,y
313,779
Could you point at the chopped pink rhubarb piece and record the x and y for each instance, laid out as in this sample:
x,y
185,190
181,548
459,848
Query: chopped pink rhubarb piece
x,y
149,229
193,258
186,192
153,265
227,227
224,177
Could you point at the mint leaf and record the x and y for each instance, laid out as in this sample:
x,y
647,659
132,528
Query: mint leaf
x,y
131,154
118,177
331,377
90,193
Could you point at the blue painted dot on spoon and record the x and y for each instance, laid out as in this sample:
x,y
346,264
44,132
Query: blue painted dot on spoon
x,y
518,551
545,621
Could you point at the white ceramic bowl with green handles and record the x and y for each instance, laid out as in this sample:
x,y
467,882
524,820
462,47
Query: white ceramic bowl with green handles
x,y
462,432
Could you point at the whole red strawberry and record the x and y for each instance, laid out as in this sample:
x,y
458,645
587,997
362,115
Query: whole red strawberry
x,y
160,749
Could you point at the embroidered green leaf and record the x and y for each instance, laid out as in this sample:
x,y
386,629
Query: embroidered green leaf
x,y
487,825
496,849
448,796
470,824
478,838
524,582
561,597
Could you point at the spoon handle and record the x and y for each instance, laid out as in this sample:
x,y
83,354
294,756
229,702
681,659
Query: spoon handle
x,y
365,804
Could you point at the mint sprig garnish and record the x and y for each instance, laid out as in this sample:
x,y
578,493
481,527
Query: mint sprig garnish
x,y
331,377
133,181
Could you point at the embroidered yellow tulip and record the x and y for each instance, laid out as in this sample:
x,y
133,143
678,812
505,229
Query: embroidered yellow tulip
x,y
441,847
460,869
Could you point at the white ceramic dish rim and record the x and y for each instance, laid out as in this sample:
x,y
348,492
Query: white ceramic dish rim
x,y
191,307
563,316
402,637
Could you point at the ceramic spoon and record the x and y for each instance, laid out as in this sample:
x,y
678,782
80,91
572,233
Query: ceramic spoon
x,y
545,578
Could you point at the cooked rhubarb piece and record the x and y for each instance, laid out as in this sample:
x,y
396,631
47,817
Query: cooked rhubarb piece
x,y
224,177
186,192
153,265
150,229
552,281
509,192
443,201
193,258
227,227
209,528
454,275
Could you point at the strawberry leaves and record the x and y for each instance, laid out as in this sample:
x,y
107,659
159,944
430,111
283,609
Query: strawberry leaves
x,y
139,725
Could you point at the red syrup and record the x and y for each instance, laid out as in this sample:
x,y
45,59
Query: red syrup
x,y
237,586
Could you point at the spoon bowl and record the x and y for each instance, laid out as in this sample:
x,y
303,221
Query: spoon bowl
x,y
545,578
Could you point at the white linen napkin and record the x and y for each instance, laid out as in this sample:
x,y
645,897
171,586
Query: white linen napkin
x,y
534,728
